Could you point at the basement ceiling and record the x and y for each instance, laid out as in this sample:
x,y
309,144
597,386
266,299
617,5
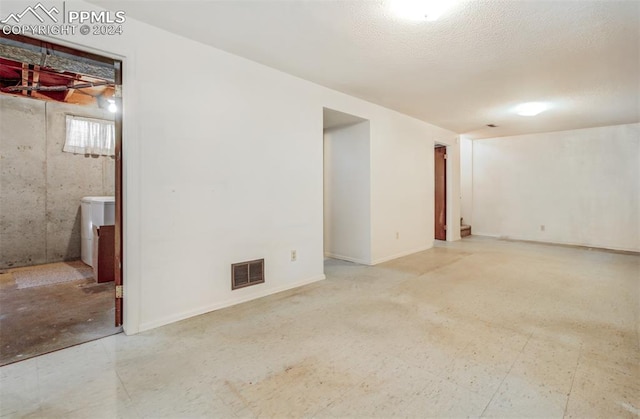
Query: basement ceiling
x,y
462,72
44,71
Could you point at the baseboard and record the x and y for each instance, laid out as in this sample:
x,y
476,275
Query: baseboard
x,y
402,254
557,243
228,303
347,258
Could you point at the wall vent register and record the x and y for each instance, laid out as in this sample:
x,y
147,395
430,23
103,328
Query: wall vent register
x,y
245,274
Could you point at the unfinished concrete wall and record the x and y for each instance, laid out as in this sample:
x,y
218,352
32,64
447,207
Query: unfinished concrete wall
x,y
22,182
40,186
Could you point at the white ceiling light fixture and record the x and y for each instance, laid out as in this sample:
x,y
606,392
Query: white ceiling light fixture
x,y
531,108
420,10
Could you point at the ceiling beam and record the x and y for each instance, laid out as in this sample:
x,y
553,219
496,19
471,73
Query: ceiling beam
x,y
44,71
25,79
61,62
68,93
36,76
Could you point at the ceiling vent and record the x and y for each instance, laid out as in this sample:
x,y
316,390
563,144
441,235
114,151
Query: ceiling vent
x,y
245,274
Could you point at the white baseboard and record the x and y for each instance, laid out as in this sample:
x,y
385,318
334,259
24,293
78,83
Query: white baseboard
x,y
347,258
223,304
560,243
399,255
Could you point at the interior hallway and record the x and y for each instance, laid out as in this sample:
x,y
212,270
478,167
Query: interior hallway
x,y
479,327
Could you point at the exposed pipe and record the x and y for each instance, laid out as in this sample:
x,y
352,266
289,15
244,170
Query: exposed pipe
x,y
54,88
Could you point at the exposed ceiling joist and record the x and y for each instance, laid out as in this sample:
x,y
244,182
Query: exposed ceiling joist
x,y
50,58
45,71
36,75
25,79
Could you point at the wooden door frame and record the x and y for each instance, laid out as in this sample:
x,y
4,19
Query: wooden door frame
x,y
446,195
118,260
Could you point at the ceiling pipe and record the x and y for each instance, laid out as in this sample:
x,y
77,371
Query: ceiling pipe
x,y
54,88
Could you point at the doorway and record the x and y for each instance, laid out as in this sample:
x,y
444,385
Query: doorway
x,y
440,188
346,184
50,299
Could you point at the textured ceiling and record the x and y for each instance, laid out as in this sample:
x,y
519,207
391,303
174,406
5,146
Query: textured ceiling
x,y
464,71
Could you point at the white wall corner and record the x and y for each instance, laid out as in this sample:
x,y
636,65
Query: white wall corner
x,y
401,254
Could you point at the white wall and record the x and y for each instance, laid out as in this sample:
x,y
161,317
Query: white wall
x,y
402,186
582,185
466,180
231,170
347,193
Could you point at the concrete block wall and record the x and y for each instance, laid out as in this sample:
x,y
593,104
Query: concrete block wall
x,y
41,186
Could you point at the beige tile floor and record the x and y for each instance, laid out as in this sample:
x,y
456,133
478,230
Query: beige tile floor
x,y
480,327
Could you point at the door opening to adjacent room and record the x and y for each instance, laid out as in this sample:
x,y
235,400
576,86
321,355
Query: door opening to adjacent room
x,y
61,197
347,220
440,164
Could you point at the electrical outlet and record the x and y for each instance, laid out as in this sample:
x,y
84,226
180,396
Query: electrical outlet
x,y
294,256
397,235
542,227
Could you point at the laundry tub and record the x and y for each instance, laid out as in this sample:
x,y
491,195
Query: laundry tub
x,y
94,211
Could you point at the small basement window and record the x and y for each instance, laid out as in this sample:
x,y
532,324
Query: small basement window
x,y
90,136
247,273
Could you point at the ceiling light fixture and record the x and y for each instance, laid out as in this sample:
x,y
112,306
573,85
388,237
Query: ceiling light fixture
x,y
419,10
531,108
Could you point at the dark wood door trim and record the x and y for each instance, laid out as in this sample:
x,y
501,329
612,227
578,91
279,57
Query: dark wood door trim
x,y
118,192
440,193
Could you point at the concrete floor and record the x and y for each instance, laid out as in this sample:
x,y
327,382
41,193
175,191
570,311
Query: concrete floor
x,y
40,319
479,327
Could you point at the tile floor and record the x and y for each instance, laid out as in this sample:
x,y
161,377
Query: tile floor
x,y
479,327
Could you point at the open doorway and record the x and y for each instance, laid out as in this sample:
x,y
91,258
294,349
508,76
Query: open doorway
x,y
60,197
347,191
440,192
